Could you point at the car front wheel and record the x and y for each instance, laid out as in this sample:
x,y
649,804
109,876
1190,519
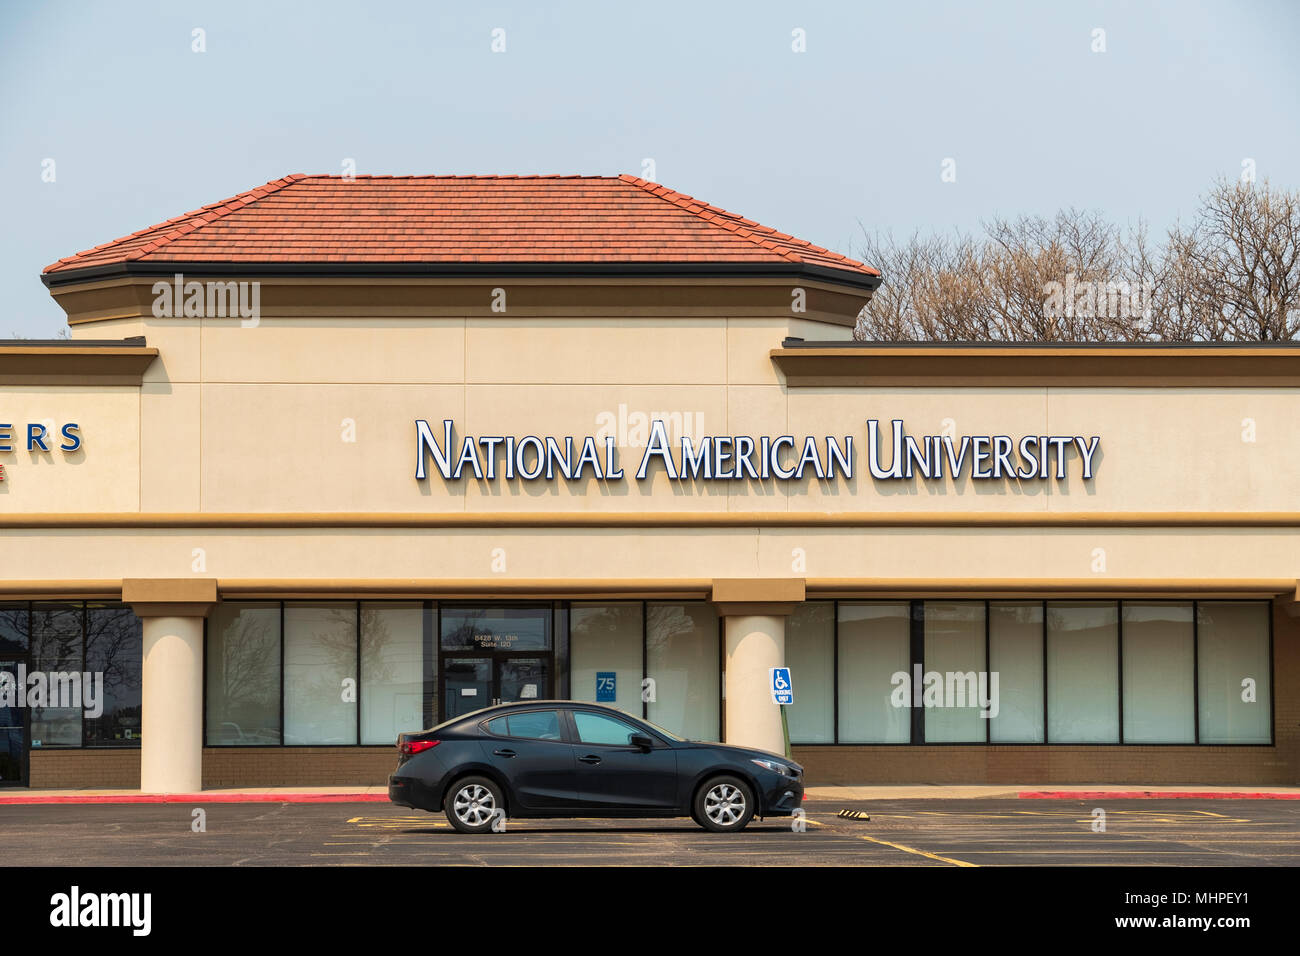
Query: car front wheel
x,y
724,805
475,804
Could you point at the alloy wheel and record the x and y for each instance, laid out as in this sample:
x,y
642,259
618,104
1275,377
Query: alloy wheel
x,y
474,805
724,804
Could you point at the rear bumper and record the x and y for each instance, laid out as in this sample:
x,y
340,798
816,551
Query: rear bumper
x,y
410,792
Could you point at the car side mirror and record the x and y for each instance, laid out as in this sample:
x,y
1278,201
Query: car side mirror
x,y
642,741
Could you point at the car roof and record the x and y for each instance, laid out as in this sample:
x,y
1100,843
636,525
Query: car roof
x,y
521,704
487,713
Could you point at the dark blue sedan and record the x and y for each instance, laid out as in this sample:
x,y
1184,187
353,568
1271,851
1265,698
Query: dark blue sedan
x,y
566,758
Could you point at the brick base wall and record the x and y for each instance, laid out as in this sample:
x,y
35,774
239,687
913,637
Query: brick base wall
x,y
298,766
85,769
222,767
949,764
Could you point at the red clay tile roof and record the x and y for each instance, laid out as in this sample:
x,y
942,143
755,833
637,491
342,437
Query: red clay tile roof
x,y
461,219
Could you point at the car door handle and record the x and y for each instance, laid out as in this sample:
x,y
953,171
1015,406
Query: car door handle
x,y
504,753
590,758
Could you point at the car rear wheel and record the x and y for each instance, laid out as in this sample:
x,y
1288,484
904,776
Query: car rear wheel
x,y
474,804
724,805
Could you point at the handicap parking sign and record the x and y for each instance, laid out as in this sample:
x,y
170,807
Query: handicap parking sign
x,y
782,686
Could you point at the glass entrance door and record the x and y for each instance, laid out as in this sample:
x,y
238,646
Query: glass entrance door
x,y
472,683
13,736
467,685
492,654
523,678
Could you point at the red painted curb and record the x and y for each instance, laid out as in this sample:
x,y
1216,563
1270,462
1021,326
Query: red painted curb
x,y
1155,795
201,798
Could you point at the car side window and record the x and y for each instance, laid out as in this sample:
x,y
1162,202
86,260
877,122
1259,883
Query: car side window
x,y
532,725
600,729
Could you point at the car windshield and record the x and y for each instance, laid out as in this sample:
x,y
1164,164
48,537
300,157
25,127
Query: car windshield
x,y
667,733
653,726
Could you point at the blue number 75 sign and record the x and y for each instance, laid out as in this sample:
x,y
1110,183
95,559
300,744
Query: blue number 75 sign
x,y
606,687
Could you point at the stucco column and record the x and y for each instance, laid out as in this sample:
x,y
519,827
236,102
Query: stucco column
x,y
171,748
754,612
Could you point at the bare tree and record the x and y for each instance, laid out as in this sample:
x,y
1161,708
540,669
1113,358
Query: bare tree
x,y
1233,274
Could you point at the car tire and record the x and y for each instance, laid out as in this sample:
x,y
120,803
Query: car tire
x,y
473,803
723,805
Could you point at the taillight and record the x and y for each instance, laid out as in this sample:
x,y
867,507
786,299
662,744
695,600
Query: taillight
x,y
410,748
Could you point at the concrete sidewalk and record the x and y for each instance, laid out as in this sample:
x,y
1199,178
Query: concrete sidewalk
x,y
1091,791
375,794
846,794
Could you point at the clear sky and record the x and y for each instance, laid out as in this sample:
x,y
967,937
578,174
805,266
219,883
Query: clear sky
x,y
852,132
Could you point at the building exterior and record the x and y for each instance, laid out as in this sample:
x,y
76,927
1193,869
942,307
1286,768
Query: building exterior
x,y
298,483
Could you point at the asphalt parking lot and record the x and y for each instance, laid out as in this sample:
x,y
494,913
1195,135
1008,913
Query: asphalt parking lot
x,y
966,832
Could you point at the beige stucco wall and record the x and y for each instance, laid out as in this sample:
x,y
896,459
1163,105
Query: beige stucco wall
x,y
102,475
594,554
234,420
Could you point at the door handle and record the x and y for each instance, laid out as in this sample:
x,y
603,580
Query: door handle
x,y
503,753
590,758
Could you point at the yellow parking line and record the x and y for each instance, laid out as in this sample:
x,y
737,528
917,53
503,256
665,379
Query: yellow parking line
x,y
908,849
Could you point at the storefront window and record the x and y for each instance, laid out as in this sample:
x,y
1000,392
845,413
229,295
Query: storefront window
x,y
875,644
1159,674
56,636
394,678
320,671
682,660
605,643
113,649
1057,667
1083,673
57,649
954,650
243,684
1016,656
810,655
1235,685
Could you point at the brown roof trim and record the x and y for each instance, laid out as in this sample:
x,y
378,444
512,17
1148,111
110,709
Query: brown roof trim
x,y
604,299
1041,588
723,519
75,362
687,588
1147,365
685,271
